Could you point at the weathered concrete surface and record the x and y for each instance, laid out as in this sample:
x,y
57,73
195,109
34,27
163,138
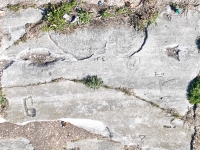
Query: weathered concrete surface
x,y
20,143
13,25
128,119
41,2
95,144
153,75
150,73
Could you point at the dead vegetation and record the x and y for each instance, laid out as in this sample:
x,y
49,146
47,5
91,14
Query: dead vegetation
x,y
139,17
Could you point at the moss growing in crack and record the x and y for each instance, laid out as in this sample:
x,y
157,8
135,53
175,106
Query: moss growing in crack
x,y
123,10
15,7
124,90
93,82
2,100
154,104
193,93
22,39
152,18
141,24
120,10
175,115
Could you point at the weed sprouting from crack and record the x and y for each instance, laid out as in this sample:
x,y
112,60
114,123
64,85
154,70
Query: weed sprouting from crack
x,y
93,82
3,100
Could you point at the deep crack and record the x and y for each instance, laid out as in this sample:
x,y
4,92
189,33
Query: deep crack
x,y
195,129
144,42
124,90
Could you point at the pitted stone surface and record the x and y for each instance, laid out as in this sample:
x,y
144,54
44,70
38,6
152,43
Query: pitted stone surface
x,y
15,144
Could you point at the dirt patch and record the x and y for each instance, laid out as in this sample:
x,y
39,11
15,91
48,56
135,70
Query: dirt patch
x,y
45,135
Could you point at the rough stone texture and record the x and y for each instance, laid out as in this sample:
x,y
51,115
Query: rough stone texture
x,y
19,143
150,73
153,75
13,25
195,143
74,100
43,135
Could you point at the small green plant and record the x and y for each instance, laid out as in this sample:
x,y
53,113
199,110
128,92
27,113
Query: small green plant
x,y
93,82
152,18
120,10
105,14
15,7
84,17
55,13
149,19
154,104
175,115
198,43
2,100
193,93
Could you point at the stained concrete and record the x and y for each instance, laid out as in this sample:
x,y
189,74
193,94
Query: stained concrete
x,y
151,74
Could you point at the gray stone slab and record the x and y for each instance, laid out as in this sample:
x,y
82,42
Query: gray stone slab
x,y
94,144
17,144
13,25
153,75
130,120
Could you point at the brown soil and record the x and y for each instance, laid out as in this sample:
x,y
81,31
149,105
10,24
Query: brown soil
x,y
45,135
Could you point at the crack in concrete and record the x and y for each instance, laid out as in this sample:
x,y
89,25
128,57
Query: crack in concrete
x,y
193,138
195,129
144,42
124,90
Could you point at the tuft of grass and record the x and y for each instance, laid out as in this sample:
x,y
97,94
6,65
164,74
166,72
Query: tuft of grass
x,y
120,10
15,7
175,115
2,100
142,23
55,13
193,93
124,11
152,18
105,14
84,17
154,104
198,43
93,82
